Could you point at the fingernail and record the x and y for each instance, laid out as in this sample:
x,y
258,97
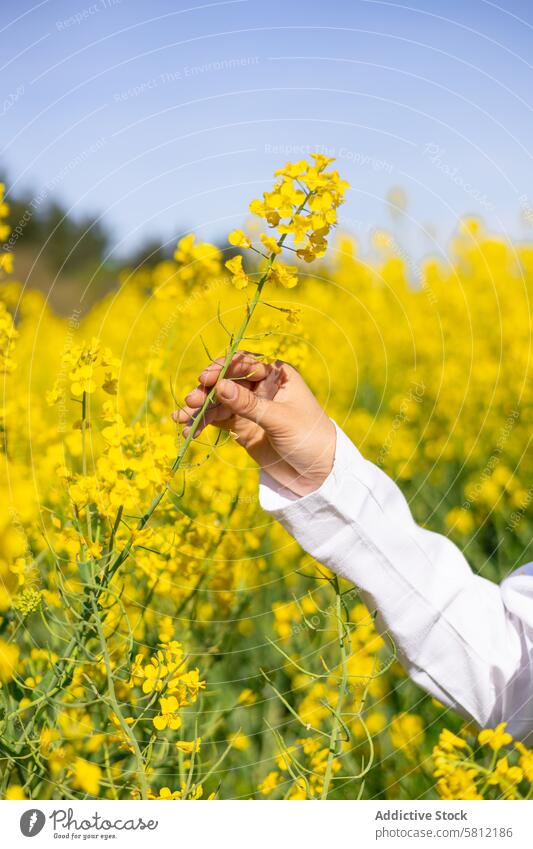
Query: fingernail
x,y
226,389
175,415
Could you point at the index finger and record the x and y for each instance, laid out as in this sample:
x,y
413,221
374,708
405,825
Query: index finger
x,y
243,365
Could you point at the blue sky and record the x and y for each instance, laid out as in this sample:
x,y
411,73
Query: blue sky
x,y
168,116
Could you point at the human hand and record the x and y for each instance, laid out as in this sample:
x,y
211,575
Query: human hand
x,y
274,416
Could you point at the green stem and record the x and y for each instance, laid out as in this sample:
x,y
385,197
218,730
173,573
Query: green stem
x,y
333,739
116,707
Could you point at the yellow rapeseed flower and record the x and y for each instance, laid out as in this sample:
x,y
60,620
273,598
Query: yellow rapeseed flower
x,y
495,737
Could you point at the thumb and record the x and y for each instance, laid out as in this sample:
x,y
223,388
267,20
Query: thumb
x,y
244,403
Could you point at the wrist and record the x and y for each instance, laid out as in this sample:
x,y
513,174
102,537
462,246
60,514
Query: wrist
x,y
320,468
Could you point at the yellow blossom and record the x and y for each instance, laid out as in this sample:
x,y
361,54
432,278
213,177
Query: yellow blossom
x,y
239,276
189,746
269,784
270,244
15,791
495,737
283,275
407,732
525,760
9,654
239,741
86,776
247,697
168,716
507,777
239,239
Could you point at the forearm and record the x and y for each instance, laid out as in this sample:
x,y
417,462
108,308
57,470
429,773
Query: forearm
x,y
455,634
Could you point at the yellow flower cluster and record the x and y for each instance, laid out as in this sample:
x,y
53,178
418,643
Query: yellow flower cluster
x,y
198,262
166,673
466,773
303,205
88,365
407,733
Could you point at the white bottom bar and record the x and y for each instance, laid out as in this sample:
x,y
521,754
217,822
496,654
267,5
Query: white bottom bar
x,y
267,825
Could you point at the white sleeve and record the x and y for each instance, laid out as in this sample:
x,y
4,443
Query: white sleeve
x,y
464,639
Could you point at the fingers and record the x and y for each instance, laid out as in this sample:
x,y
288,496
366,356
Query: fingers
x,y
215,415
234,395
268,388
197,396
186,415
250,406
183,414
243,365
